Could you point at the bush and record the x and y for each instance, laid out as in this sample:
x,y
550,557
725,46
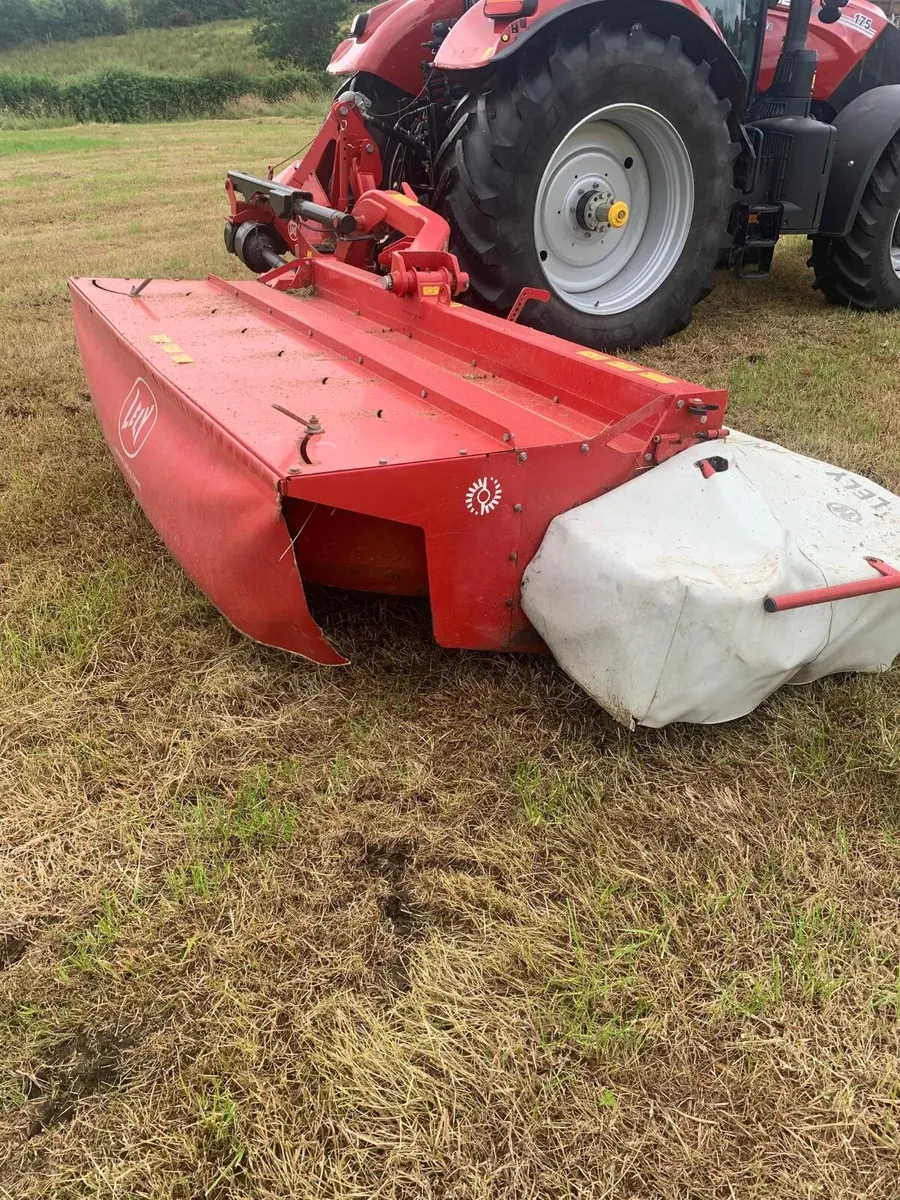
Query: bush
x,y
121,95
281,84
30,95
304,32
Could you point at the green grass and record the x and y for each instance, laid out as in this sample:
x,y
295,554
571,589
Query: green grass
x,y
190,51
432,925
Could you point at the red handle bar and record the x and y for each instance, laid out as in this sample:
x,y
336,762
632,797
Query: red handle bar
x,y
889,578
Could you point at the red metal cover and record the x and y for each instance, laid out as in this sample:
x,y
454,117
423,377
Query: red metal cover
x,y
450,440
213,499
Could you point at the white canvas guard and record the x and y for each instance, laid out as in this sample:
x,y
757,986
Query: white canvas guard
x,y
651,596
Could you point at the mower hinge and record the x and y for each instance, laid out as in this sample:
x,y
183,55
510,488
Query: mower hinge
x,y
664,446
431,275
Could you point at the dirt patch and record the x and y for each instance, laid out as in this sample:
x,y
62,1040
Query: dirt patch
x,y
72,1070
389,861
12,948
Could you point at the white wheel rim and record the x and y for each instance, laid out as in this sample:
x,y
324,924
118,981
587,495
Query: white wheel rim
x,y
630,153
895,247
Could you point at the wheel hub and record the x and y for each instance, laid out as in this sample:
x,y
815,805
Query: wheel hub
x,y
613,209
594,208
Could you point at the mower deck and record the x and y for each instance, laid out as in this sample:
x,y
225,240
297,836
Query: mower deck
x,y
449,440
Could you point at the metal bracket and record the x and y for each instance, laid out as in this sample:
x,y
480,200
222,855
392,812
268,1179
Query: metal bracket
x,y
526,294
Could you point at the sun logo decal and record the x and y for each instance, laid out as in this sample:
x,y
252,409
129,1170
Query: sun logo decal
x,y
484,495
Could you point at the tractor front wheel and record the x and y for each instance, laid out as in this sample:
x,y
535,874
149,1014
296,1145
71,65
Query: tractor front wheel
x,y
602,168
862,270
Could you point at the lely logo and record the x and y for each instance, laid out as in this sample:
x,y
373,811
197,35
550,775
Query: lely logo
x,y
845,511
484,495
137,418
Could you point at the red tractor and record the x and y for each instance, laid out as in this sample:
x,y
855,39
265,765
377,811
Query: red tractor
x,y
614,152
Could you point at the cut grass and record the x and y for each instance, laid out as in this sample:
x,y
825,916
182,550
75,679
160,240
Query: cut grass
x,y
432,926
188,51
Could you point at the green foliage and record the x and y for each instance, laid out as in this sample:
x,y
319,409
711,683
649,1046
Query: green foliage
x,y
46,21
282,84
162,13
193,51
60,20
121,95
304,32
30,95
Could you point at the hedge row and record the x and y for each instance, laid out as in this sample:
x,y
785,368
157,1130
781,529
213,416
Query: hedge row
x,y
123,95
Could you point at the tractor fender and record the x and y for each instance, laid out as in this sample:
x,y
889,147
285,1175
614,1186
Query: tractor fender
x,y
864,129
477,41
390,42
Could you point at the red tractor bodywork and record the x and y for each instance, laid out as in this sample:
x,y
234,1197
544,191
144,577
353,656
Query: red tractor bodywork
x,y
391,45
839,46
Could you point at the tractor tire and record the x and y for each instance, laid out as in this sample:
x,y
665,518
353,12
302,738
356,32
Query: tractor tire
x,y
862,270
587,108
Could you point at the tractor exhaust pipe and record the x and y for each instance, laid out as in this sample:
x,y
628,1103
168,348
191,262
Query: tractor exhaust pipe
x,y
795,72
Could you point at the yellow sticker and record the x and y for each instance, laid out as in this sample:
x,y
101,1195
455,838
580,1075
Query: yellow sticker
x,y
455,304
431,289
488,52
593,354
170,348
182,358
621,365
657,378
407,200
159,337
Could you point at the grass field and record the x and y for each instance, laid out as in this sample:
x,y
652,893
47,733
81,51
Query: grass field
x,y
431,926
189,51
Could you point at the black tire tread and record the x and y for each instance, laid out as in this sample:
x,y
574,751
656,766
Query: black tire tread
x,y
850,270
495,133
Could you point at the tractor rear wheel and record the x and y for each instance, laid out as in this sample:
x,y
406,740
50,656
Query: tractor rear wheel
x,y
862,270
602,168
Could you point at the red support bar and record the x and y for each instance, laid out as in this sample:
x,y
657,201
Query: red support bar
x,y
526,294
889,579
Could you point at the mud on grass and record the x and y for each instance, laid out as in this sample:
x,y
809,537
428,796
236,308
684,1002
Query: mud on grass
x,y
431,926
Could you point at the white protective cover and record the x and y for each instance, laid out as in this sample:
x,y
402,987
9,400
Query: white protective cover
x,y
651,596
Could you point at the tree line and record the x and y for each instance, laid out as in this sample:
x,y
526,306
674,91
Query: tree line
x,y
303,32
67,20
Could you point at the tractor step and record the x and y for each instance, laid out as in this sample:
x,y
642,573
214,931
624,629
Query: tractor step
x,y
756,230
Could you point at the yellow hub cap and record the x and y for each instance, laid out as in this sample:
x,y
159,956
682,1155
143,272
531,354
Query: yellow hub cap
x,y
618,214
